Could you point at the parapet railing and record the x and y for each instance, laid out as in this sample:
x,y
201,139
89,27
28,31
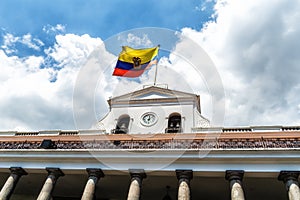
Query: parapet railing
x,y
246,129
250,129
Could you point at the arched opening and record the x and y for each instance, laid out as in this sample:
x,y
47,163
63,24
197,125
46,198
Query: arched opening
x,y
174,123
122,125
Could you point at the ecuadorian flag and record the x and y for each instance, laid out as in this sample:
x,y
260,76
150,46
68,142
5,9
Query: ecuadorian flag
x,y
133,62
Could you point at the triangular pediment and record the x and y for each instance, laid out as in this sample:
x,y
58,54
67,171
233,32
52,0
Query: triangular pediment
x,y
153,93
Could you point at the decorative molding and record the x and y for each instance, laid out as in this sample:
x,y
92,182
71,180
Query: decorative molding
x,y
213,161
56,172
288,175
184,174
137,174
234,175
96,172
164,143
18,171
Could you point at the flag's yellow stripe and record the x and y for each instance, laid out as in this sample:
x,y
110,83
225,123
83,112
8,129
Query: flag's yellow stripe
x,y
146,55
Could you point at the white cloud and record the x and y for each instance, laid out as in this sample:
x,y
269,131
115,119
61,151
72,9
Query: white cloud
x,y
31,43
10,41
135,41
58,28
254,45
28,100
203,5
71,49
85,61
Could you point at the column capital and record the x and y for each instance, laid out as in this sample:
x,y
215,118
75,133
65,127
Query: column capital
x,y
54,171
288,175
18,171
98,173
184,174
234,175
137,173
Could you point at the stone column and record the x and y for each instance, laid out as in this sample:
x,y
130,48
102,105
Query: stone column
x,y
10,184
137,176
235,178
53,175
184,177
89,190
290,179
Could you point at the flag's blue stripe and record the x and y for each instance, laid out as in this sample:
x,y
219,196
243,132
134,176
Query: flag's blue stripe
x,y
129,66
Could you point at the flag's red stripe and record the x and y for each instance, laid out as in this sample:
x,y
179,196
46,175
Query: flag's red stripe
x,y
127,73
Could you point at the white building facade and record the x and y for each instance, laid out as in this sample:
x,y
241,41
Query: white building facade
x,y
153,144
153,110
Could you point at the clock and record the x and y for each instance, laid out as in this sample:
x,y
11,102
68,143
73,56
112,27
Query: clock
x,y
148,119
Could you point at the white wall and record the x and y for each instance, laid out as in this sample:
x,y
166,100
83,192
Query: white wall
x,y
162,111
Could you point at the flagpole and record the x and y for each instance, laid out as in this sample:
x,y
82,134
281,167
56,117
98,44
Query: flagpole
x,y
155,75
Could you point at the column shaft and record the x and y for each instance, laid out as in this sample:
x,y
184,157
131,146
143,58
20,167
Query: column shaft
x,y
90,187
290,179
134,190
53,175
45,193
235,178
9,186
184,177
293,192
137,176
237,192
183,191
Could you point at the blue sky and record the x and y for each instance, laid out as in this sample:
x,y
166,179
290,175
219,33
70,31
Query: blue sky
x,y
101,18
45,44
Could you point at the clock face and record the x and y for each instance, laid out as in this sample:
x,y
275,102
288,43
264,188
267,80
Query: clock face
x,y
148,119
